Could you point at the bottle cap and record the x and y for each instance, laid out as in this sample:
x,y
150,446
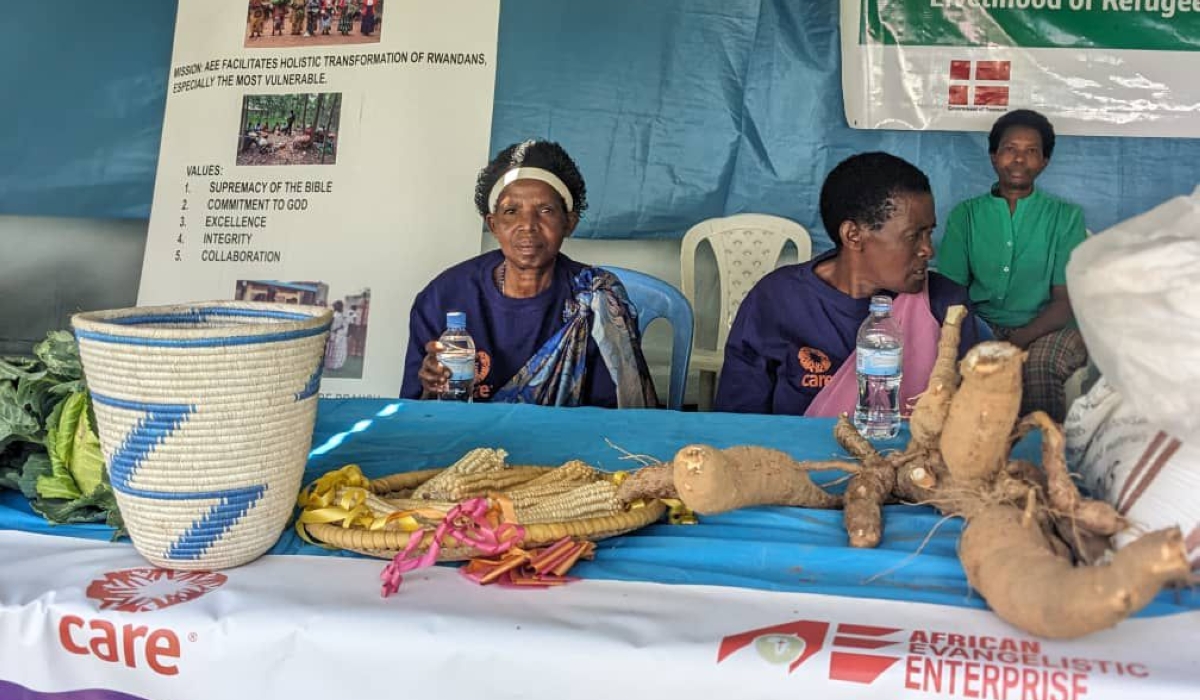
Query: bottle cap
x,y
881,304
456,320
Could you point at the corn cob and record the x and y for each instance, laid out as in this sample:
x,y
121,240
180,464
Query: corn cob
x,y
553,483
590,500
478,460
418,504
472,485
377,505
424,512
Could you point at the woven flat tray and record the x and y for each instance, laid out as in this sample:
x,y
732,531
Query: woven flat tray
x,y
385,544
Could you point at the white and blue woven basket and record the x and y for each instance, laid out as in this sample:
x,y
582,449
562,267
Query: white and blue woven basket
x,y
205,413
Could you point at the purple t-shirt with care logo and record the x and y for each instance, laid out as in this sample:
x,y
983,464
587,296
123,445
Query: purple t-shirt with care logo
x,y
794,331
507,332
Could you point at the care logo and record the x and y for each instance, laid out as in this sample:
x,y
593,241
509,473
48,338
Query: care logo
x,y
142,590
483,367
815,364
135,591
794,643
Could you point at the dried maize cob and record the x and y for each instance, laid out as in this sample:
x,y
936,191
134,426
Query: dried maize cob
x,y
478,460
354,507
471,485
378,506
524,498
350,497
416,503
590,500
573,471
553,483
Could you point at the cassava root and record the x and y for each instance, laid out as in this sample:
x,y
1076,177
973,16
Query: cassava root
x,y
1031,540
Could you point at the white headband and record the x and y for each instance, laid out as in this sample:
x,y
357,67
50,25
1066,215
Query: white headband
x,y
530,174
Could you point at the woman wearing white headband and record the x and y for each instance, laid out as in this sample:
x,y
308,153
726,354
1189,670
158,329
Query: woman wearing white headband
x,y
547,330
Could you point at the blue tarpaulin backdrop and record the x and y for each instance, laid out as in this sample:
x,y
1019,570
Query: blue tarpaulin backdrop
x,y
677,110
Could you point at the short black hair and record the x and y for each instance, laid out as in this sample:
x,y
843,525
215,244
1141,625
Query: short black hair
x,y
1023,117
547,155
863,189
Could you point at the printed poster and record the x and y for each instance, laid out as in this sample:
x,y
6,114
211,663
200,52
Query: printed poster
x,y
323,152
1094,67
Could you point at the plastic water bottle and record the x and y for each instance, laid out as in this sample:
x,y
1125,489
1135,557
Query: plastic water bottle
x,y
458,356
880,351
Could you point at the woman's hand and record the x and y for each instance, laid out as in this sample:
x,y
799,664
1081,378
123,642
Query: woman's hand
x,y
434,375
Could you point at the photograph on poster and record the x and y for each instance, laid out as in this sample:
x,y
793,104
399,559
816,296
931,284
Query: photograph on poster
x,y
279,24
297,129
346,348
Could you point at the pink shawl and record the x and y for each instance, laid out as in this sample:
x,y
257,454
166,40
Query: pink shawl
x,y
921,331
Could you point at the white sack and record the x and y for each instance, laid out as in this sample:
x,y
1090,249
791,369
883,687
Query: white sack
x,y
1135,290
1150,477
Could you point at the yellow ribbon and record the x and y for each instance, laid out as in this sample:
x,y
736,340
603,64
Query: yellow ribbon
x,y
341,496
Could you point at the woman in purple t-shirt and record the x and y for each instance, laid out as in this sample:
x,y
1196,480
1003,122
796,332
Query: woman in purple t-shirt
x,y
798,325
547,330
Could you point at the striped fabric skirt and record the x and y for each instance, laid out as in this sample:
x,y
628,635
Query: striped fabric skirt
x,y
1053,358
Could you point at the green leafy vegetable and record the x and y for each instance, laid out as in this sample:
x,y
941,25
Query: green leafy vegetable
x,y
49,449
60,354
17,422
30,462
74,450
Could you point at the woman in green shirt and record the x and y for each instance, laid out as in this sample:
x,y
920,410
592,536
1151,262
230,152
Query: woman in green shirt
x,y
1010,248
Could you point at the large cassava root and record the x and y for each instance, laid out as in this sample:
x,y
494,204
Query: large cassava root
x,y
709,480
1015,568
1030,539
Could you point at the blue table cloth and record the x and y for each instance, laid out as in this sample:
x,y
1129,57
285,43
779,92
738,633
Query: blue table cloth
x,y
781,549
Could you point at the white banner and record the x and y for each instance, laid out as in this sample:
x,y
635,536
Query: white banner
x,y
312,154
1094,67
78,614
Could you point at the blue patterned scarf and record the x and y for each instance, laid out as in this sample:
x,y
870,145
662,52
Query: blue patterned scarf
x,y
599,309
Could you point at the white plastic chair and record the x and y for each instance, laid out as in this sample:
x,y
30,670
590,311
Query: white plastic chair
x,y
747,247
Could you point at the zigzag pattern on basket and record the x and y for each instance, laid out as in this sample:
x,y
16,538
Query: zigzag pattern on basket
x,y
159,422
196,540
313,385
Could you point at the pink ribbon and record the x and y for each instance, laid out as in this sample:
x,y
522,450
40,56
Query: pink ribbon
x,y
466,524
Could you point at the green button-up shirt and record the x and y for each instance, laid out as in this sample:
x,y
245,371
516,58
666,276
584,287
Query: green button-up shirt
x,y
1009,262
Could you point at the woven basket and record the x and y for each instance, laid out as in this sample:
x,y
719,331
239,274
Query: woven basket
x,y
205,414
385,544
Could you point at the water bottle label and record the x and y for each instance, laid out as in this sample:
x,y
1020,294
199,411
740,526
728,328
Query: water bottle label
x,y
879,362
460,368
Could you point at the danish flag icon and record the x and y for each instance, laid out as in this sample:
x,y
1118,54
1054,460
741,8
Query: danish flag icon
x,y
981,83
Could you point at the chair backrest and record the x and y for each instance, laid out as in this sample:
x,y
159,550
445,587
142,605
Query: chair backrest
x,y
655,298
747,247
